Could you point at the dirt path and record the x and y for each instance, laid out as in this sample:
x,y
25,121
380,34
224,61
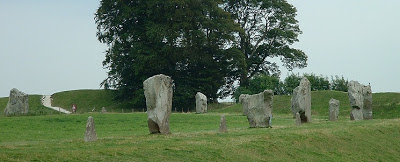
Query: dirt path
x,y
46,101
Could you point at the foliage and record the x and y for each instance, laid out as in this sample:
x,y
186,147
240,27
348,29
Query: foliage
x,y
339,84
317,82
291,82
186,40
260,83
269,28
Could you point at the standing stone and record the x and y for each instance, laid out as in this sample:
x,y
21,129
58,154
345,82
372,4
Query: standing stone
x,y
333,109
332,116
301,101
367,109
260,109
103,110
90,134
244,100
158,93
222,124
298,119
18,103
201,103
360,98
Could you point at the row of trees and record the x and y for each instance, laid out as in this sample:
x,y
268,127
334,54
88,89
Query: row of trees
x,y
204,45
260,83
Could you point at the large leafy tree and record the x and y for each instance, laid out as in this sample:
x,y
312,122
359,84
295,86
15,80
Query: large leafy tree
x,y
269,28
185,39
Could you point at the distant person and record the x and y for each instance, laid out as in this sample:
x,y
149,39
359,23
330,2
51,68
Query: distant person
x,y
73,108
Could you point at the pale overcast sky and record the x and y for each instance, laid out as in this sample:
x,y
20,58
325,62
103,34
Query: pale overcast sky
x,y
48,46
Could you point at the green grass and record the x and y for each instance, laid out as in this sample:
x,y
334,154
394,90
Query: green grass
x,y
86,100
195,137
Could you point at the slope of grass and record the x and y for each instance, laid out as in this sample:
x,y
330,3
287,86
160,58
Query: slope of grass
x,y
227,108
3,104
87,100
125,137
386,105
35,106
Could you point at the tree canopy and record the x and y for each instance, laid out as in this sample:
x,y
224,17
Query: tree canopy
x,y
269,28
204,45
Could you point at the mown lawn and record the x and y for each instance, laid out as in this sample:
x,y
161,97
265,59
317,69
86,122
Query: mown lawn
x,y
195,137
48,136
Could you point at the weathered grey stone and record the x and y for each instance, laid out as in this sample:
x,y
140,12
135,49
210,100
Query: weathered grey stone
x,y
260,109
90,134
201,103
18,103
158,93
222,124
301,100
367,109
332,116
103,110
244,100
298,119
360,97
356,114
333,109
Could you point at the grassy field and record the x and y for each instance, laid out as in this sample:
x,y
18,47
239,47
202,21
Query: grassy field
x,y
125,137
195,137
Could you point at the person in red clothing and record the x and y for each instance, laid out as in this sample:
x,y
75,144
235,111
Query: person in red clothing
x,y
74,108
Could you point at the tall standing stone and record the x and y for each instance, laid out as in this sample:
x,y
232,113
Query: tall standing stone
x,y
360,97
301,100
333,109
260,109
90,134
222,124
201,103
18,103
244,100
158,93
367,109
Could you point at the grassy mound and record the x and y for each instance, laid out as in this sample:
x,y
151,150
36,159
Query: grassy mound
x,y
195,137
87,100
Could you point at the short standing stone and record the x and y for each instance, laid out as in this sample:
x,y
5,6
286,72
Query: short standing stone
x,y
298,119
18,103
332,116
244,100
360,98
260,109
201,103
301,100
158,93
90,134
222,124
333,109
103,110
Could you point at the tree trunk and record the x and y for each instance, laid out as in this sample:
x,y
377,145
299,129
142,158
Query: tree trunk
x,y
244,81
